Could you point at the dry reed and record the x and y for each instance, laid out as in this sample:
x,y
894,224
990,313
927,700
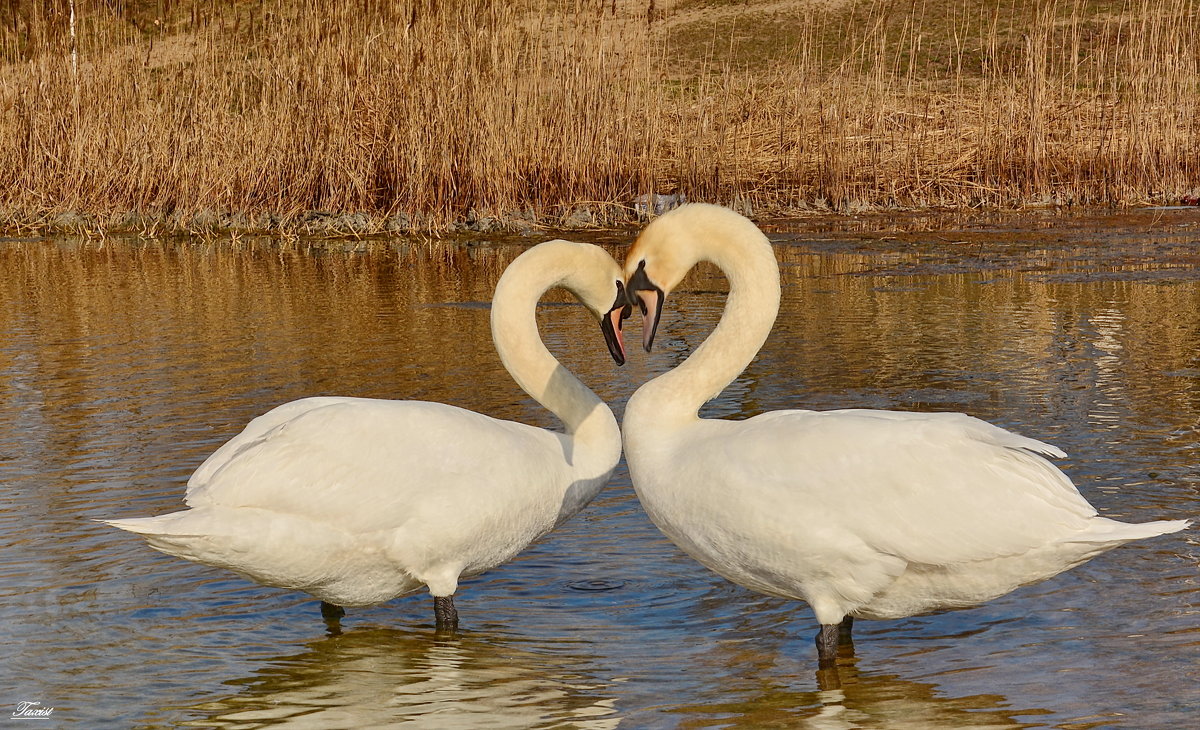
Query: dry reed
x,y
282,114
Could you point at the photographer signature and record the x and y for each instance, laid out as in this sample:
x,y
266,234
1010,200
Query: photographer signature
x,y
32,711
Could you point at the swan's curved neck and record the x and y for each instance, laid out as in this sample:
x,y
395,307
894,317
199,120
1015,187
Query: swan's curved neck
x,y
536,370
745,256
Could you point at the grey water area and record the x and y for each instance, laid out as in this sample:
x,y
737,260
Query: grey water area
x,y
125,362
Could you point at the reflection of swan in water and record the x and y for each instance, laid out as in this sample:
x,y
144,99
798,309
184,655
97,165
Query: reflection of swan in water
x,y
866,701
769,689
382,678
357,501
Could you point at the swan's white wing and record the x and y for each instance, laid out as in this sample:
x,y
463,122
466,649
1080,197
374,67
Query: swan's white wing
x,y
364,465
251,435
933,488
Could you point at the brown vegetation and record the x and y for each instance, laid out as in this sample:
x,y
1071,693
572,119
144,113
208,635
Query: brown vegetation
x,y
417,113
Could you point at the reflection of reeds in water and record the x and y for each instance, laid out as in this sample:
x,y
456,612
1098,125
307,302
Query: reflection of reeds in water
x,y
1091,301
416,113
328,323
388,321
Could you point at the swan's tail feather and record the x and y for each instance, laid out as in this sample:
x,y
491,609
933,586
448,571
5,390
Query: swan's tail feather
x,y
271,547
144,525
174,533
1104,530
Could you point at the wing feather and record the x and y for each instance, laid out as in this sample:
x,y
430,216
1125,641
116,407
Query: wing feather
x,y
325,457
933,488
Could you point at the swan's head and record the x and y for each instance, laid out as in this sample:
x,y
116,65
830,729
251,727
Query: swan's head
x,y
587,271
611,322
668,248
595,279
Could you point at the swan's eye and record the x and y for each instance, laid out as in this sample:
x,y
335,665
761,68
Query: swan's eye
x,y
622,296
640,282
622,302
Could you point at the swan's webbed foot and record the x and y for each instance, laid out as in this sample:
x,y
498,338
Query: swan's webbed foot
x,y
445,614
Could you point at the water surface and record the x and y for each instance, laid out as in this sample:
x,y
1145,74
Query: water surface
x,y
124,363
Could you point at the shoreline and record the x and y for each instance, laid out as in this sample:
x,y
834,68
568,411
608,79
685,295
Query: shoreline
x,y
581,219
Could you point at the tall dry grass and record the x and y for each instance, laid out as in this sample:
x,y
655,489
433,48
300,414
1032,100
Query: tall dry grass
x,y
418,113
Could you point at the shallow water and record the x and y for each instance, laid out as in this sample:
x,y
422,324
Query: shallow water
x,y
124,363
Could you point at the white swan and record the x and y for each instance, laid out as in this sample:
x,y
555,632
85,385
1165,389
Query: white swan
x,y
860,513
357,501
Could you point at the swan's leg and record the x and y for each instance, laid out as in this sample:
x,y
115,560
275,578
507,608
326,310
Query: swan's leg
x,y
829,640
331,613
333,617
831,637
444,613
827,645
844,629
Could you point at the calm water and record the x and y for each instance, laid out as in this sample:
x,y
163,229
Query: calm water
x,y
124,363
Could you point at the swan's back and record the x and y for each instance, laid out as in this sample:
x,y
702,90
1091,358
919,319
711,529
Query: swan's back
x,y
365,464
928,487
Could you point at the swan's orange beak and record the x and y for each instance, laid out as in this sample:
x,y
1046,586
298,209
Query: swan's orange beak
x,y
610,325
649,298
